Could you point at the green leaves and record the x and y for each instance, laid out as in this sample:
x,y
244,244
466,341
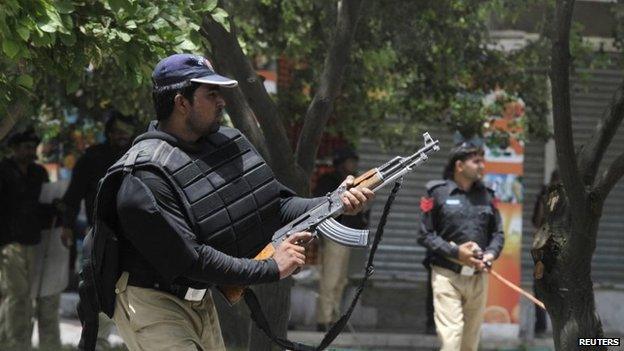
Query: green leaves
x,y
72,85
220,16
187,46
25,81
10,48
209,6
23,32
118,5
131,24
64,6
53,22
124,36
94,53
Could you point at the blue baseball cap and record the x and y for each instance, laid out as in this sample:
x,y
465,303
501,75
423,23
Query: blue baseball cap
x,y
179,69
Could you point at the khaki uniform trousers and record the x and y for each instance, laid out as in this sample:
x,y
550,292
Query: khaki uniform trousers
x,y
459,304
153,320
105,328
17,266
334,267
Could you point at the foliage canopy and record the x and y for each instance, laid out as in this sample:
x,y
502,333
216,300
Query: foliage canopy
x,y
90,54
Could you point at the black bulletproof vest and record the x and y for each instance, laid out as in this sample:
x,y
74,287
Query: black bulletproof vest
x,y
230,194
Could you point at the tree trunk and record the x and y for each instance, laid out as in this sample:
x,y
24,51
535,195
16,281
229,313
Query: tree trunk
x,y
565,245
292,171
275,297
234,320
275,302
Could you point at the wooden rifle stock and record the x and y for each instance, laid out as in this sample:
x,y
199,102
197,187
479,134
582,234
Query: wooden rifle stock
x,y
233,293
369,180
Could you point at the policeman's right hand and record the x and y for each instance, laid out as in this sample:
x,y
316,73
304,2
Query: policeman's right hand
x,y
290,254
466,254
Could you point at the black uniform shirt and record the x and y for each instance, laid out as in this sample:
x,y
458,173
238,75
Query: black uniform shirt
x,y
22,217
89,169
450,214
159,241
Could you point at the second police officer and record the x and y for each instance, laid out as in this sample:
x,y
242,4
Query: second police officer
x,y
459,219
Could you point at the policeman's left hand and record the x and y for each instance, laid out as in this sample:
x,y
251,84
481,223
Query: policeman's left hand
x,y
487,257
355,199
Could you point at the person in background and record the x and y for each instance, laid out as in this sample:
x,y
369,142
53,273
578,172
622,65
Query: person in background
x,y
335,257
90,168
22,218
462,227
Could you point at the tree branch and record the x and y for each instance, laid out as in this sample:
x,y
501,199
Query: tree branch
x,y
229,55
330,83
560,78
593,152
610,177
244,120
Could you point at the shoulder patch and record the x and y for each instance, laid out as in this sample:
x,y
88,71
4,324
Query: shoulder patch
x,y
434,184
426,204
495,202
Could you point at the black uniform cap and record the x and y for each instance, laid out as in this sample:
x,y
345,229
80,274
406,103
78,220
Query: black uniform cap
x,y
26,136
464,149
343,154
461,152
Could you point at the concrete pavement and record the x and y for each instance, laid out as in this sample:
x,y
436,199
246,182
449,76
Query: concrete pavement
x,y
70,335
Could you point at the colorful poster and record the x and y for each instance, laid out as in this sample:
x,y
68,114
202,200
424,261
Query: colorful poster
x,y
504,156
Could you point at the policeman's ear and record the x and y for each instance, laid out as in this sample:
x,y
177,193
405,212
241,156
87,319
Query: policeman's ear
x,y
181,103
459,165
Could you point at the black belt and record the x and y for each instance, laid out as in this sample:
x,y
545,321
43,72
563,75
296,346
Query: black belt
x,y
444,263
180,291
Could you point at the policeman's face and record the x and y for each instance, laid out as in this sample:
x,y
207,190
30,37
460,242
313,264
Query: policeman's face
x,y
349,166
25,152
471,168
206,112
120,134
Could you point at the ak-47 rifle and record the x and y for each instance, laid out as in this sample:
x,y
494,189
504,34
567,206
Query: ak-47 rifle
x,y
320,219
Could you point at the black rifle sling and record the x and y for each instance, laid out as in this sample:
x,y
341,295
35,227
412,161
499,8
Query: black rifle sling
x,y
258,316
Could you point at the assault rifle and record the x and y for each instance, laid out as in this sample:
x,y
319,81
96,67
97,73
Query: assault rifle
x,y
320,219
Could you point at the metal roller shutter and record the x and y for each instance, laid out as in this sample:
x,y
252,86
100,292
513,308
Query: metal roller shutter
x,y
590,97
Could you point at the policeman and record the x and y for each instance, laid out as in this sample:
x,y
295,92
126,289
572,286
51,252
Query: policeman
x,y
460,218
92,166
195,202
335,257
89,169
22,218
